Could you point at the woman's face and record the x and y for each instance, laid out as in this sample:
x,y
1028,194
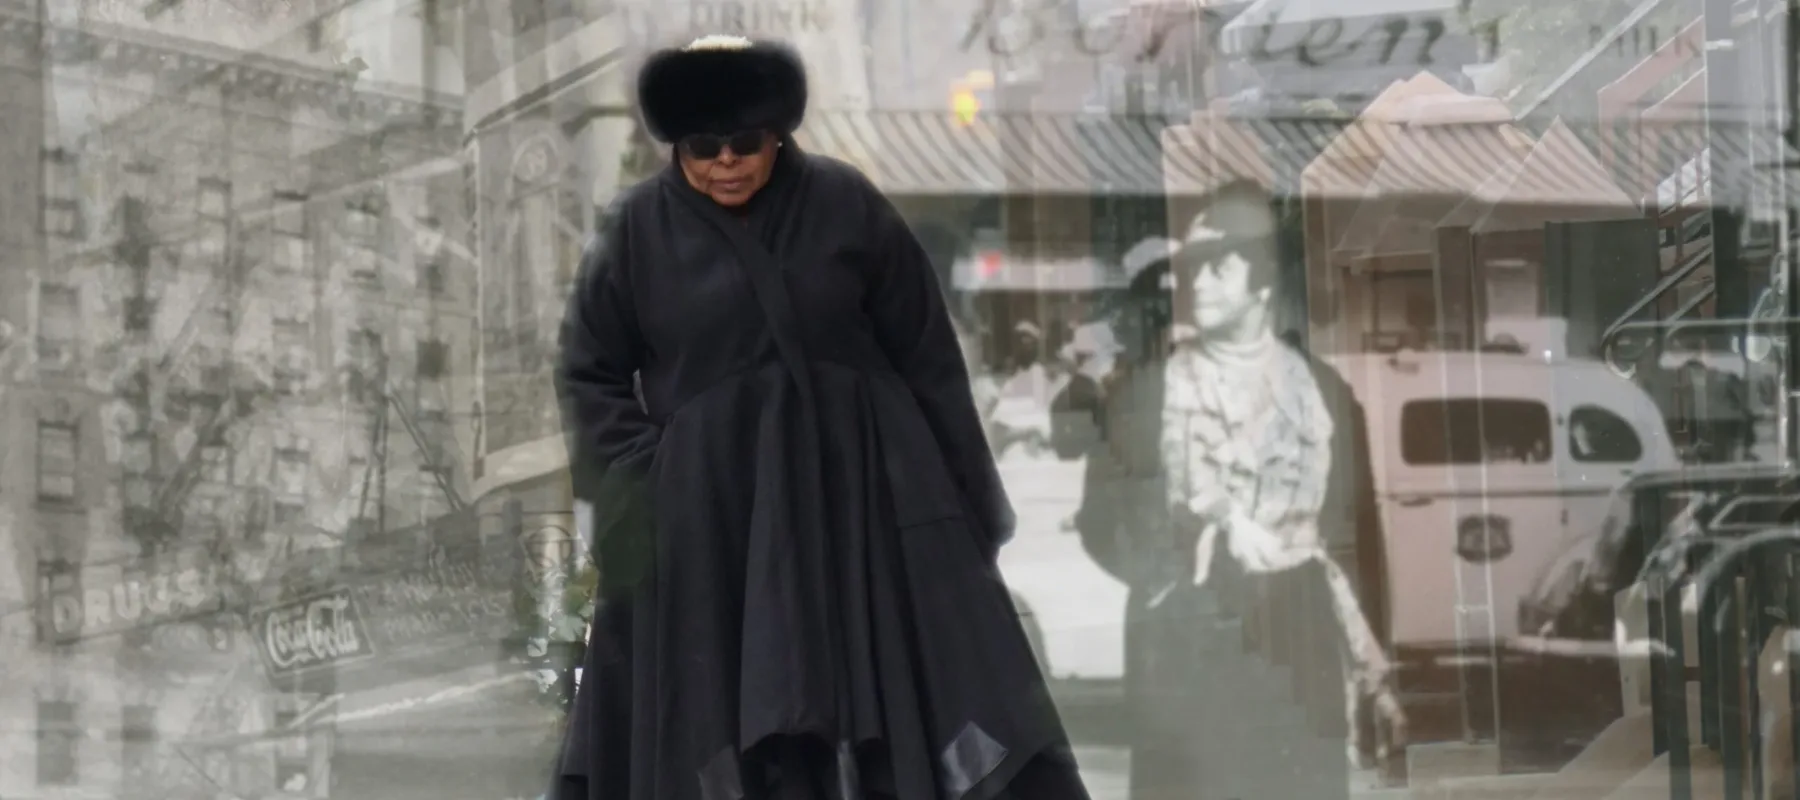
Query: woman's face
x,y
728,169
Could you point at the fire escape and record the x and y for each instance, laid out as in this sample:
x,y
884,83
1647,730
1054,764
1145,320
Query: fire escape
x,y
1698,132
218,397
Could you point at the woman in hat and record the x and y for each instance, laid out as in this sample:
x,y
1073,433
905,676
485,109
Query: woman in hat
x,y
797,526
1227,484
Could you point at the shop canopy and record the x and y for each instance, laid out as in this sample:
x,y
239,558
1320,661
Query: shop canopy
x,y
1418,137
932,153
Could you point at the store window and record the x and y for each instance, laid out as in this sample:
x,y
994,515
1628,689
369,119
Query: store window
x,y
58,744
1474,431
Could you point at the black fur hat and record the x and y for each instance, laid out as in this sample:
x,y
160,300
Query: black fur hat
x,y
722,85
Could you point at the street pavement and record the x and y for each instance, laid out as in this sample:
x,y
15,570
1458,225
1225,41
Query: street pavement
x,y
1106,770
1079,608
474,732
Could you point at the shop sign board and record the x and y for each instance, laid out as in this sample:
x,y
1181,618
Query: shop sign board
x,y
320,631
437,599
103,599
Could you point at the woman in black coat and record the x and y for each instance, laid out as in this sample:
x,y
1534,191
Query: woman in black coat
x,y
797,526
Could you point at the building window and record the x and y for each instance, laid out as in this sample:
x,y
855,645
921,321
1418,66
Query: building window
x,y
364,349
140,492
178,406
138,462
62,218
62,206
138,175
215,463
139,311
361,528
293,465
209,239
362,387
56,464
214,198
59,321
293,756
362,221
288,252
290,220
58,738
431,275
434,359
365,265
287,512
137,740
290,323
289,381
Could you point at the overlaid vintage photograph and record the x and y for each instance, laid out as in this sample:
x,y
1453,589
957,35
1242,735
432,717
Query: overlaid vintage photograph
x,y
881,400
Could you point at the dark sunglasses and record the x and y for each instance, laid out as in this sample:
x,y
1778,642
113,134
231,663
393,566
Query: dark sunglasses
x,y
709,145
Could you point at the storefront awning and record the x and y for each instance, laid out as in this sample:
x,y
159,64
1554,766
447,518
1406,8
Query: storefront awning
x,y
930,152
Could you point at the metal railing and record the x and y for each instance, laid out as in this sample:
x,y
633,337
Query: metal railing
x,y
1746,586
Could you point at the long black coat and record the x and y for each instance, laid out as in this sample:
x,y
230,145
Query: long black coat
x,y
796,528
1235,688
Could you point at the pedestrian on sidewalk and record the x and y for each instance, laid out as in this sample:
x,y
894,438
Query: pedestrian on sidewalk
x,y
1228,486
797,526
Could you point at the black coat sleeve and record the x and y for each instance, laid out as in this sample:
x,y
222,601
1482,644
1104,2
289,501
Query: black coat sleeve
x,y
912,322
611,437
1351,525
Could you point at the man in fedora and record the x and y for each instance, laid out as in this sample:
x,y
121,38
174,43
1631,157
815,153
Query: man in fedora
x,y
1228,486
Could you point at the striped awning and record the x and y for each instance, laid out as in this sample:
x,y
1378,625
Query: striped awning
x,y
1411,141
929,152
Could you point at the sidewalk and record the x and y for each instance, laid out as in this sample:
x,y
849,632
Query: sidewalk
x,y
1107,772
